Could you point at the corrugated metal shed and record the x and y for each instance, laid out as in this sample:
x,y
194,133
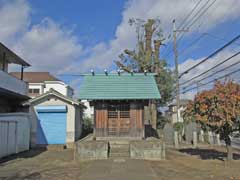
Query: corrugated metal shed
x,y
119,87
52,126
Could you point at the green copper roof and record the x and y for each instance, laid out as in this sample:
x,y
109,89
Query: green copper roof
x,y
114,86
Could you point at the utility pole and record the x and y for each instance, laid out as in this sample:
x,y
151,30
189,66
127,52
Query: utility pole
x,y
175,31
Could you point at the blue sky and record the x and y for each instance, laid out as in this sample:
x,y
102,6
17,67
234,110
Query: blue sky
x,y
72,37
93,21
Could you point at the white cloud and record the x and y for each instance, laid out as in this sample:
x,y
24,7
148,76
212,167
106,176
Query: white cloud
x,y
15,18
164,9
47,46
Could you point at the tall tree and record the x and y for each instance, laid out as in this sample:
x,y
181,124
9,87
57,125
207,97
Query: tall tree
x,y
146,56
219,110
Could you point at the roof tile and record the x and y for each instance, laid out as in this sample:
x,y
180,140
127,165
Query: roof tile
x,y
124,86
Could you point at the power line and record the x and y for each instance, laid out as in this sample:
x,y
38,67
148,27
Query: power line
x,y
202,36
197,13
211,55
189,14
218,38
192,43
168,50
200,15
229,58
221,77
234,64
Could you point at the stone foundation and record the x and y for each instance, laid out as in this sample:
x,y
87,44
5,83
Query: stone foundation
x,y
148,150
91,150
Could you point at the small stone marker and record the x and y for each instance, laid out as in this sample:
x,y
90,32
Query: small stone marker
x,y
201,136
176,144
189,129
168,132
194,139
218,139
210,137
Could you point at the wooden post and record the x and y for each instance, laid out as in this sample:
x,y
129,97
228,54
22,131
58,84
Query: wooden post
x,y
154,116
22,68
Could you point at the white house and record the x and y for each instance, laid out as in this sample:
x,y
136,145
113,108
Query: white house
x,y
89,111
42,82
172,111
14,118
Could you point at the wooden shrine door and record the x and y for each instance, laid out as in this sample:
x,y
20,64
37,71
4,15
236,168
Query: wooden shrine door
x,y
118,120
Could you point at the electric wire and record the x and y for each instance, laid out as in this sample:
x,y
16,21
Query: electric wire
x,y
210,56
229,58
221,70
221,77
189,14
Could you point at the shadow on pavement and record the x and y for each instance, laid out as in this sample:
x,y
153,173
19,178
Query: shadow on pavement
x,y
32,176
26,154
207,154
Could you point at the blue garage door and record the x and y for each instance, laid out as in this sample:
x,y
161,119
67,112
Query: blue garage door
x,y
51,127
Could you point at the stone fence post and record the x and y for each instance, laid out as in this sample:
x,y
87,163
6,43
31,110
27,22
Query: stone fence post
x,y
210,137
194,139
201,136
176,144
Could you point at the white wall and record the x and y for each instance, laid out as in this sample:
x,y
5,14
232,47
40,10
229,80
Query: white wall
x,y
39,86
88,112
59,86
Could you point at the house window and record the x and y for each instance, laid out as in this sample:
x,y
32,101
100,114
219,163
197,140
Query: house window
x,y
34,91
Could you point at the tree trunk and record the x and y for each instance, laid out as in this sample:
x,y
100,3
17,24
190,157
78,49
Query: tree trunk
x,y
148,42
157,44
229,148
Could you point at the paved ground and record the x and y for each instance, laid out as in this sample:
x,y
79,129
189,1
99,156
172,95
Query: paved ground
x,y
184,164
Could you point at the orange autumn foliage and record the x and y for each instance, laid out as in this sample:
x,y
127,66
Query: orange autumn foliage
x,y
216,107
